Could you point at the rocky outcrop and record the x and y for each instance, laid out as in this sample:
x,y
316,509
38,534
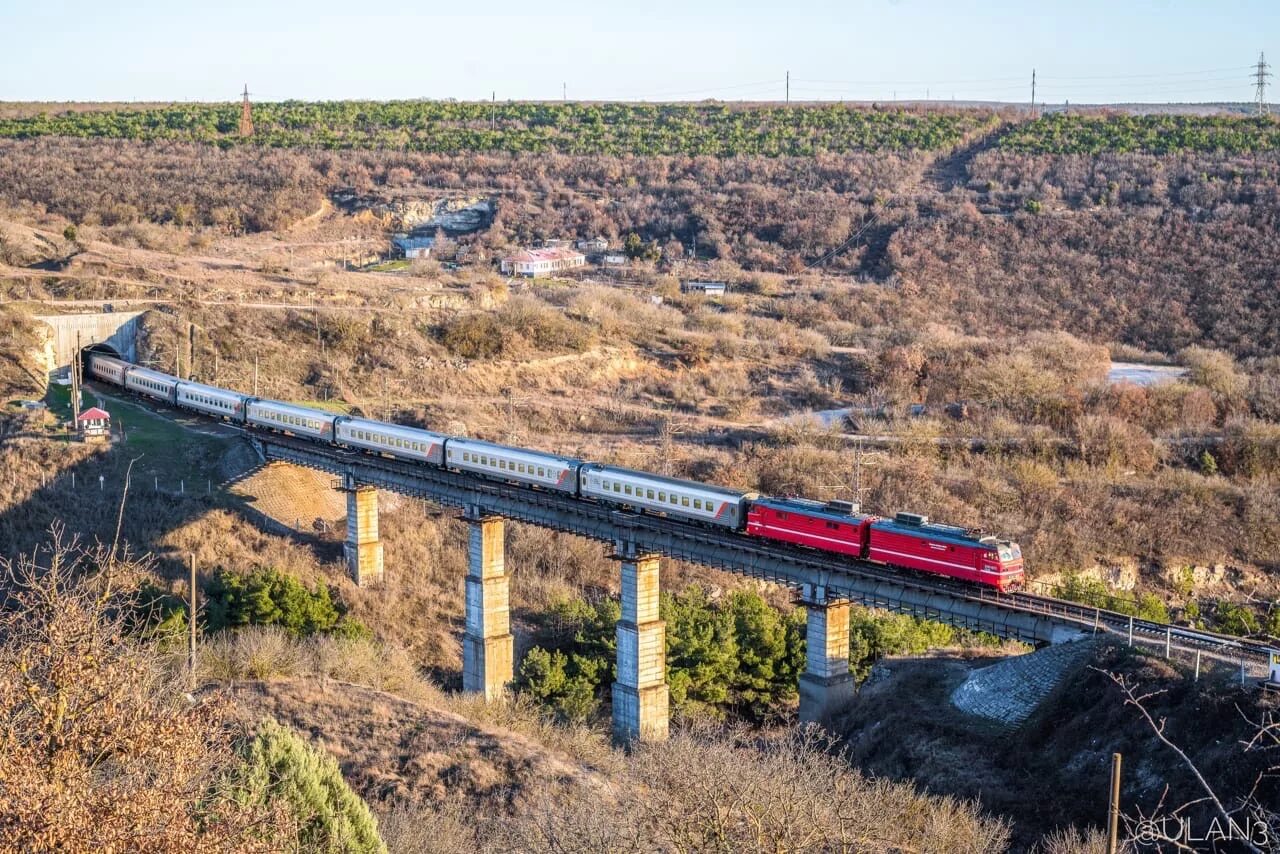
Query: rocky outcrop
x,y
454,215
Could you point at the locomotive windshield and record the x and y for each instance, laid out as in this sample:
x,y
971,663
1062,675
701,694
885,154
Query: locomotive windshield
x,y
1010,551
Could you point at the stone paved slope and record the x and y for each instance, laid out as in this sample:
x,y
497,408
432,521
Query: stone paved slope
x,y
1010,690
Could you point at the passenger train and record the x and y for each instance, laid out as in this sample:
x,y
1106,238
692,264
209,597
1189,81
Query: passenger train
x,y
906,541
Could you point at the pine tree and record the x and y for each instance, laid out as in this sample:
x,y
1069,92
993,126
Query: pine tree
x,y
281,766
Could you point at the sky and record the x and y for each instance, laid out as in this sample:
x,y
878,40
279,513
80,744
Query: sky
x,y
1083,51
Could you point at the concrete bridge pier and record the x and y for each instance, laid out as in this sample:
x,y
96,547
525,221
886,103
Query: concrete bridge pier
x,y
640,696
826,683
488,649
363,548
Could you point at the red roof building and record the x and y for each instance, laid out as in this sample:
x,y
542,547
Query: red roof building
x,y
94,422
533,263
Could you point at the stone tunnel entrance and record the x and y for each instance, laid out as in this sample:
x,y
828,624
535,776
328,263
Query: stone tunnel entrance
x,y
68,334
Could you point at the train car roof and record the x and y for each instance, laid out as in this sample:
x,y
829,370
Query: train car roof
x,y
210,389
150,374
290,407
938,531
372,424
673,481
816,509
511,448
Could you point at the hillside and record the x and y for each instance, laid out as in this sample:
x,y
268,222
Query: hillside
x,y
924,310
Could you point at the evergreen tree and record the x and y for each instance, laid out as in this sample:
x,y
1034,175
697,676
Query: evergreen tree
x,y
282,767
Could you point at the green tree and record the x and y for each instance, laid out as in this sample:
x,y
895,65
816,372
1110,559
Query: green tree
x,y
875,634
1208,465
702,648
268,597
1235,619
633,246
282,768
770,652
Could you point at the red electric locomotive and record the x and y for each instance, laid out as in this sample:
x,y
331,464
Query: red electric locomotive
x,y
908,541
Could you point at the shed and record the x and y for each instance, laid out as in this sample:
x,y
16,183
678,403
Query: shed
x,y
94,423
711,289
412,247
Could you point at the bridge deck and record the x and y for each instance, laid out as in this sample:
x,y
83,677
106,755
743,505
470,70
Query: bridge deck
x,y
1024,617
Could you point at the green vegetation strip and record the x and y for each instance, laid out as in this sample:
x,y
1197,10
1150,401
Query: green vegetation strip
x,y
440,127
1150,134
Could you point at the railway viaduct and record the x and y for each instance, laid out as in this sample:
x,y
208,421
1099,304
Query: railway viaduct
x,y
827,584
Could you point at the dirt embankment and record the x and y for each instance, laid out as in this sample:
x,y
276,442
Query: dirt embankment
x,y
1053,770
392,748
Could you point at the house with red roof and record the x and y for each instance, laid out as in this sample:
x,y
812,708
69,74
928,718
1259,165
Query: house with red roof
x,y
94,424
534,263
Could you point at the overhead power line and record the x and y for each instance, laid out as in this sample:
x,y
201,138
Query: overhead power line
x,y
1261,72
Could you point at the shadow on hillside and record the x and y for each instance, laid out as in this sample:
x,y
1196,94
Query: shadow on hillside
x,y
178,486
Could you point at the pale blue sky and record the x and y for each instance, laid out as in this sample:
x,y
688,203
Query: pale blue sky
x,y
1084,50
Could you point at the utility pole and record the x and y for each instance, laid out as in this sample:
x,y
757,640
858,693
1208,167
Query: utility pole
x,y
1261,74
255,376
191,649
857,476
75,386
564,92
1113,808
788,87
493,111
1033,88
246,114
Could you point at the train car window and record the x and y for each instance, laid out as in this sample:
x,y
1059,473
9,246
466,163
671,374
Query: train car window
x,y
684,501
835,526
617,487
649,494
697,504
662,496
542,472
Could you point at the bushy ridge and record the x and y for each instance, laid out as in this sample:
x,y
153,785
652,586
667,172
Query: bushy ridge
x,y
573,128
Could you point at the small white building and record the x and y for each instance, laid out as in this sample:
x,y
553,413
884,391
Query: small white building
x,y
593,244
614,259
534,263
413,247
94,425
711,289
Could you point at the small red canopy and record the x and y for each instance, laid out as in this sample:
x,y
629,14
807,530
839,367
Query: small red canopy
x,y
94,414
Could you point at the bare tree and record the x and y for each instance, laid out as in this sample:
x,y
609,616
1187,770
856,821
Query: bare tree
x,y
100,749
1247,819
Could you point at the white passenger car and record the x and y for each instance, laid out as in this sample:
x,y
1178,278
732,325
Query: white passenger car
x,y
499,461
151,384
287,418
107,368
683,498
212,400
392,439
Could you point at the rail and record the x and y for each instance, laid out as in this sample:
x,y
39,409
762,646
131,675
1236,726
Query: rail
x,y
1020,616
